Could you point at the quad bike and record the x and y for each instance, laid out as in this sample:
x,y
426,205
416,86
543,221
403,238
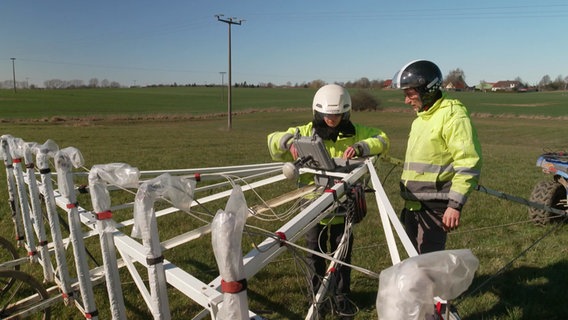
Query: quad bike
x,y
551,193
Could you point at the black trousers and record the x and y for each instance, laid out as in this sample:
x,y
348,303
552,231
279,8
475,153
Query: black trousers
x,y
317,238
424,227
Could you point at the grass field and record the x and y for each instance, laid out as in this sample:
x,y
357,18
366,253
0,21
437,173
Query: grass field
x,y
52,105
140,127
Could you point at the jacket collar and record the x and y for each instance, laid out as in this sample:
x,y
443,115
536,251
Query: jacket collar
x,y
437,105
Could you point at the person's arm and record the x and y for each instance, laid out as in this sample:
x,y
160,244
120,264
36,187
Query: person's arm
x,y
280,143
465,149
371,141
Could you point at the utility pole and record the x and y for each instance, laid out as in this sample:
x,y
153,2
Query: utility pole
x,y
14,72
222,85
229,21
222,73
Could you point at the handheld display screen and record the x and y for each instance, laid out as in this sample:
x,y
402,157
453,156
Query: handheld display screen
x,y
314,153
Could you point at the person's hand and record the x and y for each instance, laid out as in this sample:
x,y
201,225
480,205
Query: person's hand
x,y
451,219
294,151
349,153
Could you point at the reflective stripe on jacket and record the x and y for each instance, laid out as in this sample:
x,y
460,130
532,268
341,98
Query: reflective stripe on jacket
x,y
443,155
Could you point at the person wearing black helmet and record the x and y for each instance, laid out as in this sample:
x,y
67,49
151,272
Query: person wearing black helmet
x,y
443,157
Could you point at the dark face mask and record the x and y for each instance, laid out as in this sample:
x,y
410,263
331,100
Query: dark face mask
x,y
345,128
429,98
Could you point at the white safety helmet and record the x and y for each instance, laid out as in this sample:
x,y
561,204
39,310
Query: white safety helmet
x,y
332,99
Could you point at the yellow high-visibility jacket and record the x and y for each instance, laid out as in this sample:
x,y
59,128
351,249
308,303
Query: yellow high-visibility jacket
x,y
368,141
443,156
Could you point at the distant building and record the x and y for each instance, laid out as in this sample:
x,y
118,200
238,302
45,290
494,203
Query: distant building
x,y
506,86
458,85
484,86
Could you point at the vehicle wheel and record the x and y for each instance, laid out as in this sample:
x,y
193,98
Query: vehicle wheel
x,y
7,253
23,298
548,193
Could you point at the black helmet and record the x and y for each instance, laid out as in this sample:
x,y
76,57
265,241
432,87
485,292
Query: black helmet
x,y
422,75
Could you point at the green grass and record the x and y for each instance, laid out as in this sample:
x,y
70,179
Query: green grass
x,y
497,231
73,103
46,104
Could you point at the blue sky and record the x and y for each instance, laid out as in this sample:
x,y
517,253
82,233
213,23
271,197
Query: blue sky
x,y
149,42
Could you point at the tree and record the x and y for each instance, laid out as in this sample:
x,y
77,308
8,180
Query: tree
x,y
363,83
456,77
544,82
364,100
557,84
93,83
75,83
54,84
316,84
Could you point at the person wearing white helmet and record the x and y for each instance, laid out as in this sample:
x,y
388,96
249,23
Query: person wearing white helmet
x,y
443,157
343,139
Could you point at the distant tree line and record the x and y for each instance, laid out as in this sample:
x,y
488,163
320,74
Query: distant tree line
x,y
62,84
560,83
454,76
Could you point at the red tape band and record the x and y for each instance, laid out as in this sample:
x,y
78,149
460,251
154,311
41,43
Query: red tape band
x,y
333,192
439,308
17,160
72,205
92,314
104,215
282,236
233,286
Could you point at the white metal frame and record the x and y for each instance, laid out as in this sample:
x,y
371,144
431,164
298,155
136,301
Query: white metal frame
x,y
133,252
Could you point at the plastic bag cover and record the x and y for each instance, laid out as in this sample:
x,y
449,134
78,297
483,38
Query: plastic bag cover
x,y
178,190
407,289
226,236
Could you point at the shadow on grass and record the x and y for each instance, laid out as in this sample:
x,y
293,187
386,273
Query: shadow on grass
x,y
273,309
538,293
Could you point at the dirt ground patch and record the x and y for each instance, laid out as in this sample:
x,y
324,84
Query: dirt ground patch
x,y
91,120
529,105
